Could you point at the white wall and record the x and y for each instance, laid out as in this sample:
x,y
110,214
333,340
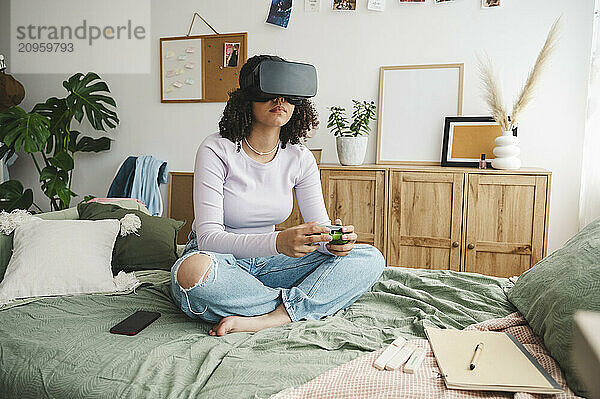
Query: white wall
x,y
348,49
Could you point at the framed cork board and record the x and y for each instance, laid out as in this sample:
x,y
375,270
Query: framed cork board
x,y
203,68
466,138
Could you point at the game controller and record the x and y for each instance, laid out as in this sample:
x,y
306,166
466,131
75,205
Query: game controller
x,y
335,233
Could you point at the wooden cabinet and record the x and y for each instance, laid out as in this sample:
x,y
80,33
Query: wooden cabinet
x,y
489,222
485,221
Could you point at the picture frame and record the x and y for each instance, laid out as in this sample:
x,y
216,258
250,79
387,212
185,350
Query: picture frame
x,y
466,138
413,102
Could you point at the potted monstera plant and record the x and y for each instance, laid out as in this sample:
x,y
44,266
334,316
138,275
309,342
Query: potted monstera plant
x,y
351,139
45,134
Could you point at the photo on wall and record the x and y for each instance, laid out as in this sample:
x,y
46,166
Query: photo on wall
x,y
279,13
231,54
411,1
376,5
491,3
443,1
312,5
341,5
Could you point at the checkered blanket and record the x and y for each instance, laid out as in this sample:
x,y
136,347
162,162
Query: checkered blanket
x,y
360,379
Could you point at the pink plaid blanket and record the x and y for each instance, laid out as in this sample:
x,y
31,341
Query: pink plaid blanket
x,y
360,379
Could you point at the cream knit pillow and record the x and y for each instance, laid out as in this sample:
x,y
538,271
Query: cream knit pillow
x,y
60,257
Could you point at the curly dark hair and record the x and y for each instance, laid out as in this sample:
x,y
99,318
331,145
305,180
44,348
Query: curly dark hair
x,y
238,117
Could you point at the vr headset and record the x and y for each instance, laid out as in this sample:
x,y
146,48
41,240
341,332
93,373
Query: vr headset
x,y
272,79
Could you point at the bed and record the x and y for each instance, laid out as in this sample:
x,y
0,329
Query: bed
x,y
60,347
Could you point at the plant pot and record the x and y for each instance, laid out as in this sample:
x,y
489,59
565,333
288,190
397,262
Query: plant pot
x,y
351,150
506,152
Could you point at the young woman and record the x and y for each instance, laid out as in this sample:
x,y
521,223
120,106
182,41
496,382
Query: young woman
x,y
236,270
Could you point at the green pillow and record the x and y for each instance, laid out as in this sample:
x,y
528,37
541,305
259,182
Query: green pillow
x,y
549,294
154,246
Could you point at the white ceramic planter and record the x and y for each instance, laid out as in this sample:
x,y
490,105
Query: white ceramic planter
x,y
506,152
351,150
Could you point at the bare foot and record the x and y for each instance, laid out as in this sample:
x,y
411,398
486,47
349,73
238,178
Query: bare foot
x,y
228,324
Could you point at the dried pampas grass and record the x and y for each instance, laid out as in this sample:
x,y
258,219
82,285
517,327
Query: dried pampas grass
x,y
492,92
493,95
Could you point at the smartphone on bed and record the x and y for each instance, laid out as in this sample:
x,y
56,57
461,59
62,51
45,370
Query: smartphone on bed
x,y
135,323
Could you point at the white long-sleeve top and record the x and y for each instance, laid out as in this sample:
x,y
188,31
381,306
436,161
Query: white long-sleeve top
x,y
238,200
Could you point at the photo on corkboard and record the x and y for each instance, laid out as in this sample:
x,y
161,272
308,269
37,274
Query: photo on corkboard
x,y
466,138
341,5
231,54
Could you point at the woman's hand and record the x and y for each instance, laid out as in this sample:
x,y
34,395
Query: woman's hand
x,y
295,243
348,234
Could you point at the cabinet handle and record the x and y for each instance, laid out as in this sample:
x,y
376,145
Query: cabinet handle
x,y
455,244
470,246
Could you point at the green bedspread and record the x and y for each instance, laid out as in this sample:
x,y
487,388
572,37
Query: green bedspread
x,y
61,347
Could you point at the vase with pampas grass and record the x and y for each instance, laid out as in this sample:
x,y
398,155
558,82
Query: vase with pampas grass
x,y
506,151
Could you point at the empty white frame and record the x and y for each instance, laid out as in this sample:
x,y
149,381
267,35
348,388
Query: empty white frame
x,y
413,103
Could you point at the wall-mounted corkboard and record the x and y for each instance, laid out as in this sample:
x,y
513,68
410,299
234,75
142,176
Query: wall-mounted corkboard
x,y
203,68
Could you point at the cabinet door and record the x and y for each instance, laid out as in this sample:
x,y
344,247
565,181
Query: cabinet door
x,y
357,197
505,223
425,220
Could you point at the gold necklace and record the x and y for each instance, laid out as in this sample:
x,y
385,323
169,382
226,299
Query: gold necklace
x,y
262,153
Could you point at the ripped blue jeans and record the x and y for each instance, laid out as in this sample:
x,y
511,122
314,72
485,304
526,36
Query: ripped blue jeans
x,y
310,287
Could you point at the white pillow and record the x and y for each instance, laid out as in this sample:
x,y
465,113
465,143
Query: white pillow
x,y
60,257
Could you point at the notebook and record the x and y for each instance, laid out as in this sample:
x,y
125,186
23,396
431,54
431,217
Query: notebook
x,y
503,364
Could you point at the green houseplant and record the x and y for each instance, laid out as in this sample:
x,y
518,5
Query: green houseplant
x,y
351,138
46,135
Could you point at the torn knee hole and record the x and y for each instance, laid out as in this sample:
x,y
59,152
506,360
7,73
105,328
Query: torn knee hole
x,y
190,275
188,281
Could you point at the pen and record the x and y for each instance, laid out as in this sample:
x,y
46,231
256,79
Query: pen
x,y
476,354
